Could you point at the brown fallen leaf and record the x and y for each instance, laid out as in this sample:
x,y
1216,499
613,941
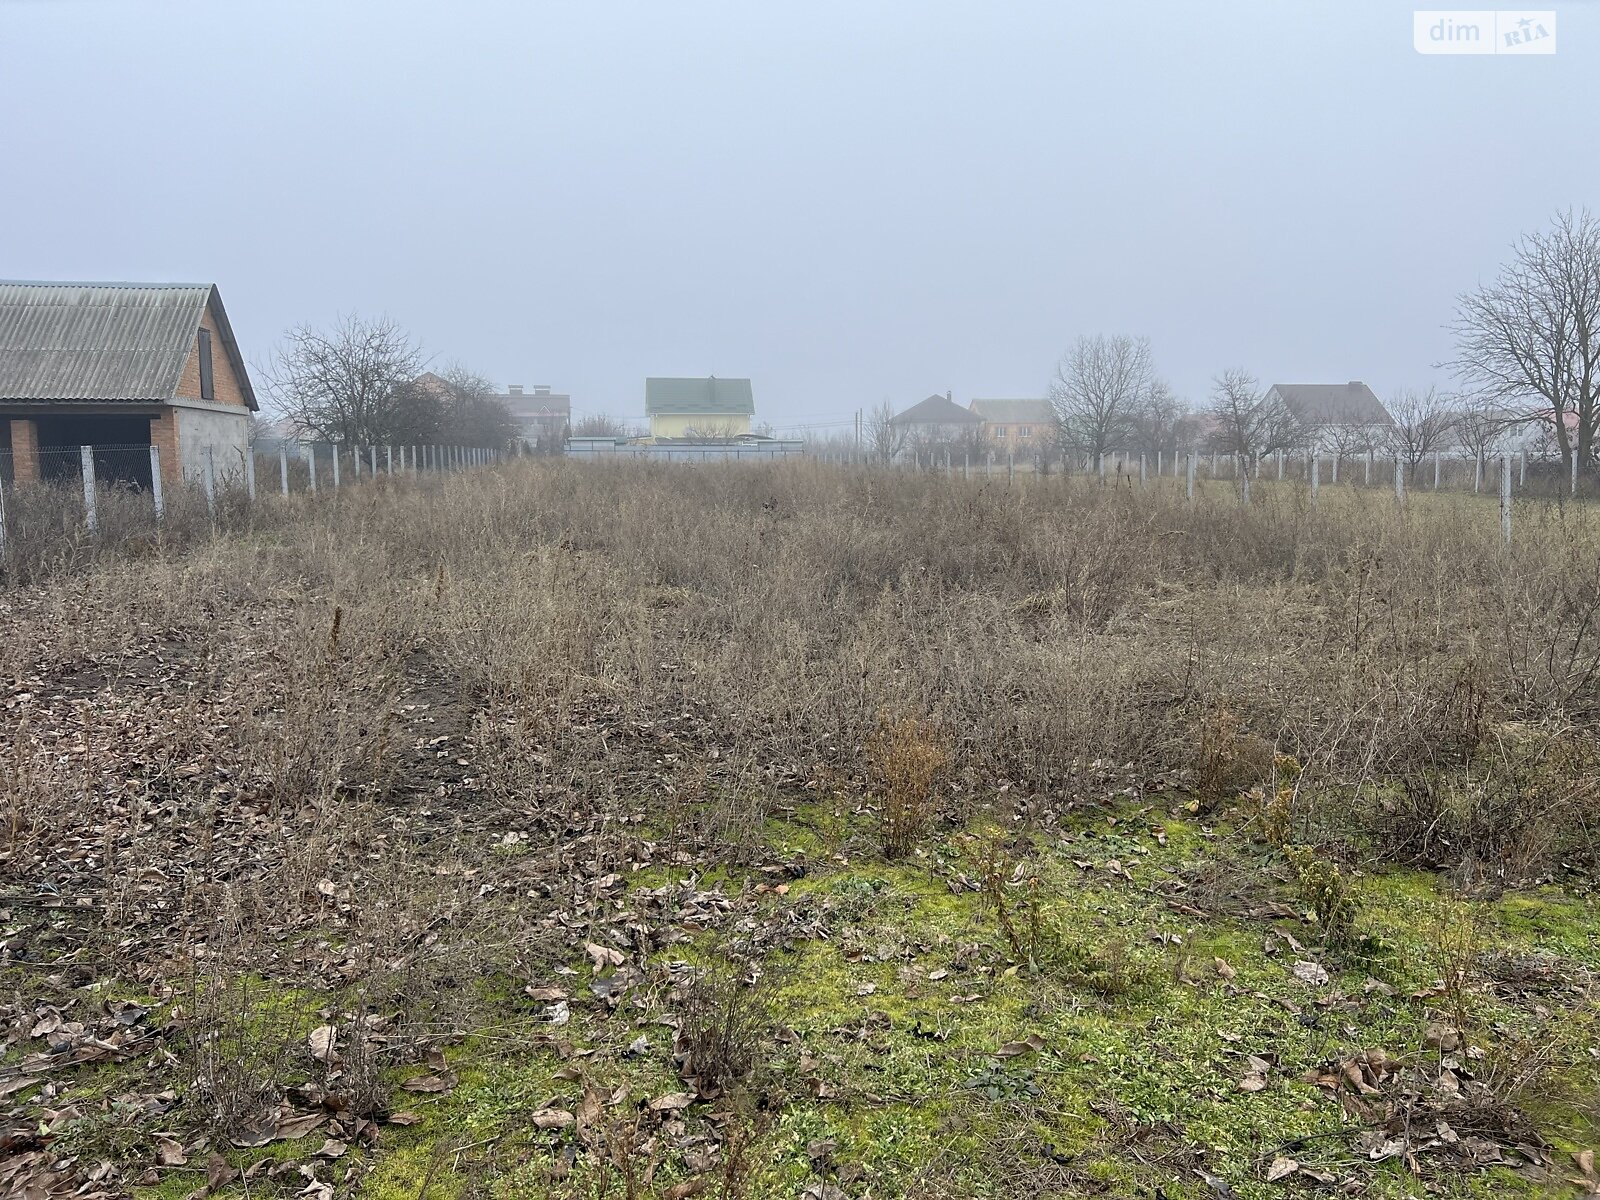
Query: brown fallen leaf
x,y
671,1102
403,1117
1255,1077
332,1148
1224,969
170,1152
218,1172
297,1125
430,1083
689,1187
552,1118
1309,972
545,994
1281,1168
322,1041
603,956
1030,1044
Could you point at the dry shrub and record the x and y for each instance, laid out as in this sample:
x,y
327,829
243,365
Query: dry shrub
x,y
907,762
1324,890
1527,803
722,1021
244,1037
1229,760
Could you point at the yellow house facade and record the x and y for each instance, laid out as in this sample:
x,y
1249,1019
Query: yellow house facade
x,y
704,408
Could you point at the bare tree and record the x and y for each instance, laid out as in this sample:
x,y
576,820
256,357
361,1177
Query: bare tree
x,y
344,384
1480,424
598,425
1247,420
473,414
712,430
1532,337
1424,424
1100,387
1164,424
884,439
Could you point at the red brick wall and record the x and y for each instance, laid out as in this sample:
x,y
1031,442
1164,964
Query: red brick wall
x,y
224,383
24,449
164,436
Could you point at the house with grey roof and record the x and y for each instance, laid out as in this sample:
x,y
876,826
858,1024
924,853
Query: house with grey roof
x,y
122,368
1015,425
1342,417
698,408
935,426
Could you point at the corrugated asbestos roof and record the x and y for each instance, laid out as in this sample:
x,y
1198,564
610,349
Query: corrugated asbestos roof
x,y
104,341
1350,403
698,397
1014,412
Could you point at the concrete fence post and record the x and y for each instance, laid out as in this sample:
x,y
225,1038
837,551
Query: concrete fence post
x,y
311,464
1333,472
155,483
283,467
1011,464
1314,466
388,461
1574,470
1399,483
211,483
1100,461
1477,473
355,462
372,459
1436,470
90,517
336,466
1367,479
1190,485
1505,499
1141,470
249,456
1522,469
1244,481
1280,466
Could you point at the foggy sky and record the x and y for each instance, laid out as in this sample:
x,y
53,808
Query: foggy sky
x,y
843,201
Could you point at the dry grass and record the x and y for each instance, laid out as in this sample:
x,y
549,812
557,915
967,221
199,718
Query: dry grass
x,y
408,738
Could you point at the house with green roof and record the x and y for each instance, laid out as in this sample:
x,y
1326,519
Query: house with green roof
x,y
698,408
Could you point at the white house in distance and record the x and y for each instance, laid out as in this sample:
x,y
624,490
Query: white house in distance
x,y
935,421
1343,417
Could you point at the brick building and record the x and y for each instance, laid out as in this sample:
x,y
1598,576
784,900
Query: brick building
x,y
1017,425
125,366
543,417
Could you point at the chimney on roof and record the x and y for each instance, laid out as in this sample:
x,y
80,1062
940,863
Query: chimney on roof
x,y
541,389
950,396
515,389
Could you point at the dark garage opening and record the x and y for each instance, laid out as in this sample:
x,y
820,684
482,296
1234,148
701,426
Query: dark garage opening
x,y
121,448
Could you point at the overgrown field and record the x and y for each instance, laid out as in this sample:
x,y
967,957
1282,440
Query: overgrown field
x,y
786,831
